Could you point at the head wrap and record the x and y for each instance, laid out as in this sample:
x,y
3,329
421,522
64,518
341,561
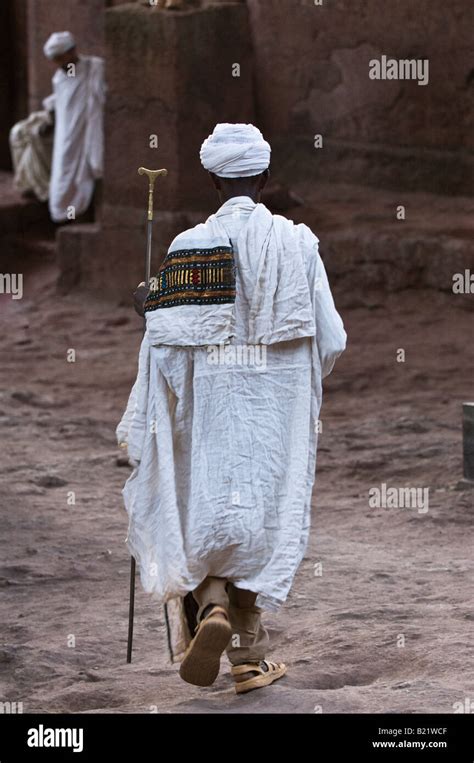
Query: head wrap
x,y
235,150
59,42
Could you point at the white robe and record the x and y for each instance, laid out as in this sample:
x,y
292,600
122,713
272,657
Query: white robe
x,y
225,455
78,137
31,151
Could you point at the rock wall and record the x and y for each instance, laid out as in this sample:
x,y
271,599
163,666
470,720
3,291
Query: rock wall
x,y
312,64
6,103
83,19
171,77
303,70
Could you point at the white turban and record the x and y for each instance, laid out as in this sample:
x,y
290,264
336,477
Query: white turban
x,y
235,150
59,42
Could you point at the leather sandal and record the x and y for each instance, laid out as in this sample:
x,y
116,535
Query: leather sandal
x,y
201,662
266,673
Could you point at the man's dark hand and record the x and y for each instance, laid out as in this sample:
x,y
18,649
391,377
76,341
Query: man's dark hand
x,y
139,297
46,129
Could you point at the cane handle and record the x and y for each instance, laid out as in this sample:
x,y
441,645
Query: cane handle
x,y
152,175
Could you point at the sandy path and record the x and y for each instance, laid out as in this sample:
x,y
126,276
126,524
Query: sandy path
x,y
386,573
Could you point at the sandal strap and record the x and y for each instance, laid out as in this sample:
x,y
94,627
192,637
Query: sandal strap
x,y
248,667
216,610
272,666
255,667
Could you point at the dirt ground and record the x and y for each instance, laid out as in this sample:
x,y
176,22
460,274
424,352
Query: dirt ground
x,y
387,625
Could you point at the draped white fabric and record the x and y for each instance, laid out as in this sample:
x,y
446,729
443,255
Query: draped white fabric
x,y
31,153
225,452
78,138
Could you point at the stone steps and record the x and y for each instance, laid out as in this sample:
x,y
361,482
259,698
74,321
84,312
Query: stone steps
x,y
27,235
19,213
26,246
366,249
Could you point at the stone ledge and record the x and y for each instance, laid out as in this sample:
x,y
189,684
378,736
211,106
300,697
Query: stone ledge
x,y
377,165
359,263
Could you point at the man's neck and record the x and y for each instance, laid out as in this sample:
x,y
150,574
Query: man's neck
x,y
253,197
74,61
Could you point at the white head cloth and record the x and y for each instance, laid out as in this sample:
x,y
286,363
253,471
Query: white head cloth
x,y
59,42
235,150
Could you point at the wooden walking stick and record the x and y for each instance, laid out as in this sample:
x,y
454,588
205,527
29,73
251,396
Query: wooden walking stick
x,y
152,175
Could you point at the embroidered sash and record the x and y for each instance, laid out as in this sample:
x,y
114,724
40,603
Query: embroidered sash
x,y
194,277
